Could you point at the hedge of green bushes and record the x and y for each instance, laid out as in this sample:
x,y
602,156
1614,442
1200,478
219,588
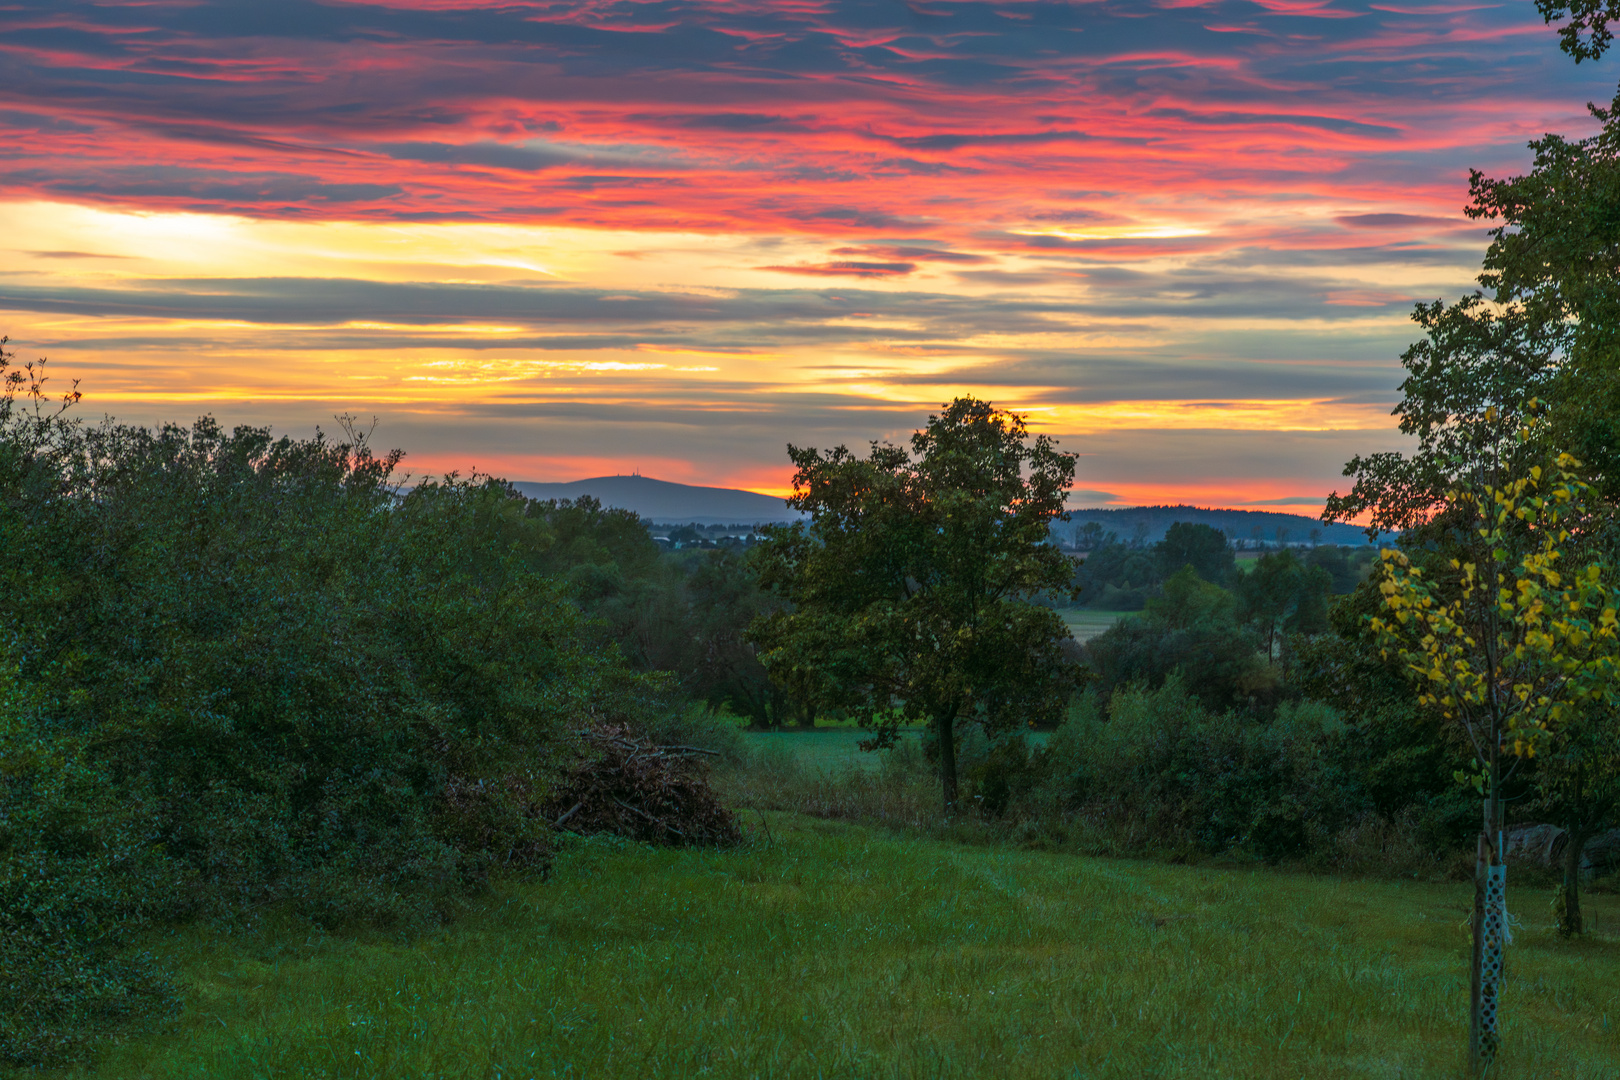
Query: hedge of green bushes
x,y
239,671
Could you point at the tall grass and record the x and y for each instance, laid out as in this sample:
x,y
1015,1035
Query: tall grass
x,y
894,788
832,950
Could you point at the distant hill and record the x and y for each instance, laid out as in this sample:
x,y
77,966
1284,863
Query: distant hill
x,y
664,502
1237,524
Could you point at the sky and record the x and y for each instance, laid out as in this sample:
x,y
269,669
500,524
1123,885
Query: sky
x,y
555,240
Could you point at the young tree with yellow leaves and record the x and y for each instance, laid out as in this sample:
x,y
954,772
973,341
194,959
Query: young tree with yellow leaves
x,y
1517,648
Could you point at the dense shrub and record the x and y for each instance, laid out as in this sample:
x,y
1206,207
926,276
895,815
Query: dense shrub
x,y
1158,771
243,670
77,875
1162,770
718,732
1191,630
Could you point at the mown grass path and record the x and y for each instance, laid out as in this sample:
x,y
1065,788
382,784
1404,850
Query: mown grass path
x,y
837,951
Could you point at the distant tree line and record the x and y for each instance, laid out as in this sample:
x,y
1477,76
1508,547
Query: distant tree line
x,y
1248,530
1113,575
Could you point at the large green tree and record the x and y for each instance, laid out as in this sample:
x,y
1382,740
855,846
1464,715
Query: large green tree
x,y
1281,594
1541,335
908,588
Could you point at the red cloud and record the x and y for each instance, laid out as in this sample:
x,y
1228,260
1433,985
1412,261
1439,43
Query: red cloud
x,y
807,117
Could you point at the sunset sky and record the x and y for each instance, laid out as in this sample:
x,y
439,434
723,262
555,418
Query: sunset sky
x,y
557,240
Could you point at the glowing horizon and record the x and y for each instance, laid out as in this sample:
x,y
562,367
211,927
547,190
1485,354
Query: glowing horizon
x,y
561,240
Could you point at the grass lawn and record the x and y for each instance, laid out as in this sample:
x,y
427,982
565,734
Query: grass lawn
x,y
837,749
1086,623
829,749
839,951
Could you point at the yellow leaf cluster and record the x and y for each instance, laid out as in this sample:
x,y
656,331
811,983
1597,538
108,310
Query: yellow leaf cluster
x,y
1534,652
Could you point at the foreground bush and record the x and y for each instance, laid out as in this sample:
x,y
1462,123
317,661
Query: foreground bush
x,y
75,878
239,671
1163,771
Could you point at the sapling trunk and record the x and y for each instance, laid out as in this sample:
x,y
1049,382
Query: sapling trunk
x,y
1489,928
1477,1059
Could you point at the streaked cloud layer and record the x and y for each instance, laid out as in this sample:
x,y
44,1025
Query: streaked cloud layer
x,y
556,239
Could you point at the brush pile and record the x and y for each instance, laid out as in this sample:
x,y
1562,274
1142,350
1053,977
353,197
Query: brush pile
x,y
625,784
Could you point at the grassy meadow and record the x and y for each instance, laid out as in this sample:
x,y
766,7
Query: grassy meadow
x,y
826,949
835,750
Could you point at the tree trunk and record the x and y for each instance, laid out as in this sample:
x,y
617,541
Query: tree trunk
x,y
947,758
1576,833
1569,901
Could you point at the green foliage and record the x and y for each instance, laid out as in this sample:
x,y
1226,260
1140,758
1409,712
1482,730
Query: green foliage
x,y
1490,637
77,877
1204,549
1384,760
1577,787
1162,772
1542,335
680,613
1346,567
1117,577
242,670
1217,662
725,600
1520,646
1192,631
909,586
1180,774
1465,398
1514,644
1188,600
1124,577
1279,594
701,728
1586,36
1214,643
1091,536
1406,755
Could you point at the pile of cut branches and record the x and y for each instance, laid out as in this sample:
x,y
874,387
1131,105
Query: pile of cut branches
x,y
625,784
